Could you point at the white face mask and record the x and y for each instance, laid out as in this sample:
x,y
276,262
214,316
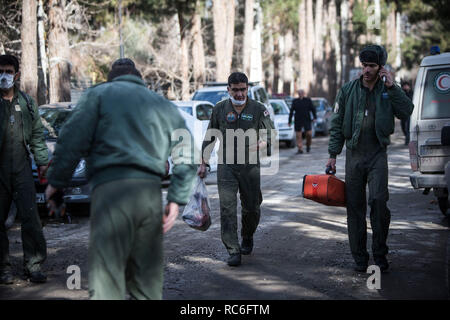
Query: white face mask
x,y
6,81
238,102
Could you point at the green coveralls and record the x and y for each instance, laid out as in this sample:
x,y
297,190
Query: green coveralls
x,y
367,164
233,176
124,131
17,183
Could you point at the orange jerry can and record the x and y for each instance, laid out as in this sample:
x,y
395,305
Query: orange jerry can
x,y
325,189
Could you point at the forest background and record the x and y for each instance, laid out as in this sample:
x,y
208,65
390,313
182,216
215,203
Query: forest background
x,y
179,45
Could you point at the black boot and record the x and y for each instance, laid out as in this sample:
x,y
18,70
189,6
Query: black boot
x,y
6,277
234,260
247,246
36,276
382,263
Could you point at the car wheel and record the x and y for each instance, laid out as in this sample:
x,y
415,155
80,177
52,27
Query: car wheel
x,y
11,216
443,205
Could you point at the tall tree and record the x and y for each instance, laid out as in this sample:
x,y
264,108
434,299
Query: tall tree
x,y
223,15
184,50
29,71
198,50
248,31
59,53
42,55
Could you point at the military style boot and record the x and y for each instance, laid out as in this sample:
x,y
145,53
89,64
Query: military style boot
x,y
234,260
247,246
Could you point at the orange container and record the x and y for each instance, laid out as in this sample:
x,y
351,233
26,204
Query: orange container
x,y
325,189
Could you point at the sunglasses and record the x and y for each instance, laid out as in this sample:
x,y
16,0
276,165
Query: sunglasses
x,y
238,89
7,71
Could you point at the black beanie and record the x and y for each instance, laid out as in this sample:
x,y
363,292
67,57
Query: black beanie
x,y
373,54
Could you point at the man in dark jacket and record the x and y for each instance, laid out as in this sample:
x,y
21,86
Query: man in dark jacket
x,y
21,132
302,107
364,119
125,132
406,87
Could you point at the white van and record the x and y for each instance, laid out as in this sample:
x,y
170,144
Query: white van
x,y
431,114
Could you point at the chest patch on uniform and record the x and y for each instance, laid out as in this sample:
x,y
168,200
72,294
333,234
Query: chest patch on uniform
x,y
247,117
17,108
231,117
385,96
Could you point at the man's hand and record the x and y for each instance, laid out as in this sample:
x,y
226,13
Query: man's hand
x,y
384,73
43,170
202,170
51,190
170,215
331,163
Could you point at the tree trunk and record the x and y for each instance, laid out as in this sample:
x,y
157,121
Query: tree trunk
x,y
29,79
303,50
310,42
344,40
223,16
318,41
288,70
198,51
276,62
335,45
42,56
256,69
184,55
59,53
248,31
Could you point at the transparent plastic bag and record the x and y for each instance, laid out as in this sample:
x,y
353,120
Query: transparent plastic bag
x,y
197,212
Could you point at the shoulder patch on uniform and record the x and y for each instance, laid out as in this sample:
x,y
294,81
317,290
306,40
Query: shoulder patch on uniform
x,y
266,113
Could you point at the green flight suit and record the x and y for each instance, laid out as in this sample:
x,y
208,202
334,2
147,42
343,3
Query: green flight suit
x,y
124,131
239,168
367,165
364,120
16,179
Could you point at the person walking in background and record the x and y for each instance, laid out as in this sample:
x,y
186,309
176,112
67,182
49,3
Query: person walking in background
x,y
302,108
406,87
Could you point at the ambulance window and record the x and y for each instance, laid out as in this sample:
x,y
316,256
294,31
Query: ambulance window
x,y
436,94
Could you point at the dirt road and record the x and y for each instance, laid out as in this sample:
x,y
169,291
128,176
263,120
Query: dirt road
x,y
301,247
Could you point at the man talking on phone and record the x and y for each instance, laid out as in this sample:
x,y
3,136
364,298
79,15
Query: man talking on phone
x,y
363,119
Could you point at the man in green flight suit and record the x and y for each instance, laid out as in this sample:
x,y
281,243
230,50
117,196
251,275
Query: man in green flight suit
x,y
21,132
239,165
124,131
364,119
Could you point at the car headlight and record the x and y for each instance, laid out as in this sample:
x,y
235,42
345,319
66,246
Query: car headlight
x,y
319,120
80,169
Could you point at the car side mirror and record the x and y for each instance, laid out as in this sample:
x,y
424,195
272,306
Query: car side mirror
x,y
445,135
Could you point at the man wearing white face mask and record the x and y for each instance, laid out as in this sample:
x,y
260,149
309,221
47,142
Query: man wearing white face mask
x,y
21,132
240,169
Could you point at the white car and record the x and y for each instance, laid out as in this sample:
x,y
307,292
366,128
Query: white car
x,y
198,129
217,91
202,110
286,133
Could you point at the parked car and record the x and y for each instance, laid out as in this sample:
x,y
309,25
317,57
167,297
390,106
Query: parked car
x,y
429,119
323,113
217,91
286,133
288,99
198,129
78,193
202,110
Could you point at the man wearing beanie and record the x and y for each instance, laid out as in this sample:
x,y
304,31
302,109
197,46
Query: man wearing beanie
x,y
363,119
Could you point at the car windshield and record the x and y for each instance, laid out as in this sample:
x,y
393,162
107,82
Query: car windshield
x,y
319,106
436,94
211,96
278,108
53,120
187,109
